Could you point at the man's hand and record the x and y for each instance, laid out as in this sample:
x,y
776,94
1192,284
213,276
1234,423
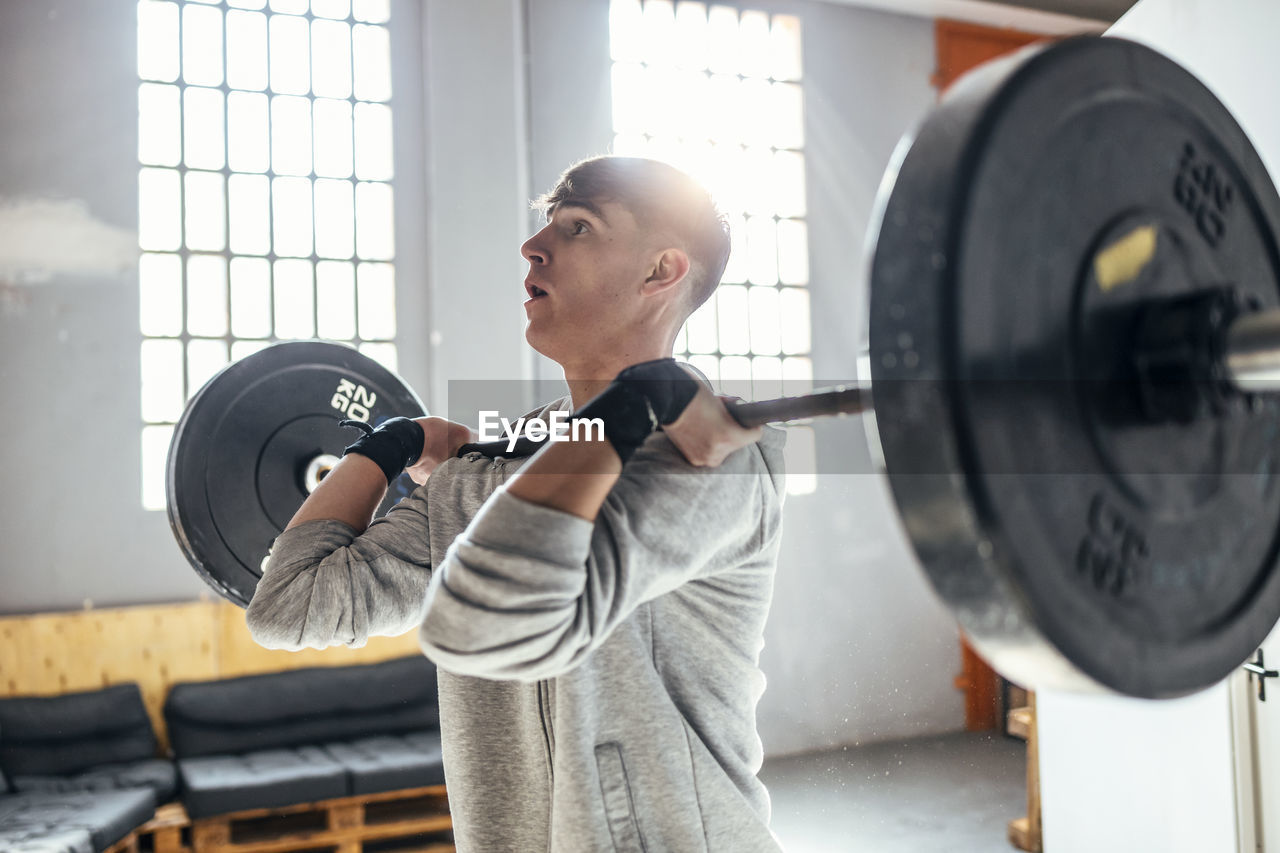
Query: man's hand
x,y
441,440
705,433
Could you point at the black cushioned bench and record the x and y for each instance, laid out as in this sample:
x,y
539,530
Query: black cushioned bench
x,y
78,771
71,822
95,740
266,741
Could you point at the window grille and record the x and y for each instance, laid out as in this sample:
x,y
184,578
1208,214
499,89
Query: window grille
x,y
717,91
265,196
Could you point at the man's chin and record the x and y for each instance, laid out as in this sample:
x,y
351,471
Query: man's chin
x,y
538,342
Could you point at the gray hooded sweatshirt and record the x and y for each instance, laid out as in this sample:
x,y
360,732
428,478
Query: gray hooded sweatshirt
x,y
598,681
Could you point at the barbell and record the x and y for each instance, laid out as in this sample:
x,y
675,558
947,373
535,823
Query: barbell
x,y
1072,340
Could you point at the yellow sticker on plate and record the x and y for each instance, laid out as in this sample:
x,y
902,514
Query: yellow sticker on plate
x,y
1122,261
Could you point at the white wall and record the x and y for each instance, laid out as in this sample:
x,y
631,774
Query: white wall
x,y
1120,775
1124,774
71,519
476,149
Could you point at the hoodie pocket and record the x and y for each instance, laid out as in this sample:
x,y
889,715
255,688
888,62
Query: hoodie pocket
x,y
615,790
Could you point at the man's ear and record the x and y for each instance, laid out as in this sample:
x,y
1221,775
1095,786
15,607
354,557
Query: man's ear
x,y
669,269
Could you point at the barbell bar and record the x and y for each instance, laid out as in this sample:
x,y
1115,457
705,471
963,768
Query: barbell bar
x,y
1243,359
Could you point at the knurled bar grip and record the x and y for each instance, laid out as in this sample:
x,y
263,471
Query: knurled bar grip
x,y
840,400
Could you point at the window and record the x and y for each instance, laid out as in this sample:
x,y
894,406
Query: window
x,y
265,202
716,91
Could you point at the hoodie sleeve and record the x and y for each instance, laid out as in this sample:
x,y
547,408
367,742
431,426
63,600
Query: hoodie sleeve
x,y
527,592
326,585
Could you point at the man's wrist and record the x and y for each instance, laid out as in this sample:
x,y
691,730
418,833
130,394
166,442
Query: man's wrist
x,y
639,399
625,415
666,386
393,446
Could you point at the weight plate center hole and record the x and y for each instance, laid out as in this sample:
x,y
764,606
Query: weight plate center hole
x,y
317,469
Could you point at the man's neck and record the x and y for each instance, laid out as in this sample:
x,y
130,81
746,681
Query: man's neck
x,y
582,390
589,378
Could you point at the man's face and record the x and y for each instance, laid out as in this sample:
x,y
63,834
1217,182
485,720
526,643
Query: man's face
x,y
586,269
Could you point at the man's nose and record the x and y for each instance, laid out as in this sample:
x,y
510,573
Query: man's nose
x,y
533,250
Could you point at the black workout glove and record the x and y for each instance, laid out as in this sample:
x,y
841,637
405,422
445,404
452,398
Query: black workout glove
x,y
640,398
393,446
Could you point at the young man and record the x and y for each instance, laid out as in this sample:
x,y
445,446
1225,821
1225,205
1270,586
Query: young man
x,y
596,611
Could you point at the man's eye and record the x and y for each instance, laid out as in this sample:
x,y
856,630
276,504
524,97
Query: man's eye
x,y
579,227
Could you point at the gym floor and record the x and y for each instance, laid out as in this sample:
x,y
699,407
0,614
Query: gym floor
x,y
954,793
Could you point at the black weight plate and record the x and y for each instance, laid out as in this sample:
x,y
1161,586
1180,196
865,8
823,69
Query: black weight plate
x,y
240,451
1077,543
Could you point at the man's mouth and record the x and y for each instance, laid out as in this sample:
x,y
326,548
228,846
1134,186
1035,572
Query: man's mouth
x,y
533,290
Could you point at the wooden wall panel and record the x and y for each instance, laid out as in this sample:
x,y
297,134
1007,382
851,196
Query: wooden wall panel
x,y
155,646
962,46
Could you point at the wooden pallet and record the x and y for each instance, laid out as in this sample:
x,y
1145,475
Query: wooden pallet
x,y
1024,832
168,831
128,844
414,820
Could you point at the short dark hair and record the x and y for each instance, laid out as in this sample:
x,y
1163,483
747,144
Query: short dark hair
x,y
656,194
